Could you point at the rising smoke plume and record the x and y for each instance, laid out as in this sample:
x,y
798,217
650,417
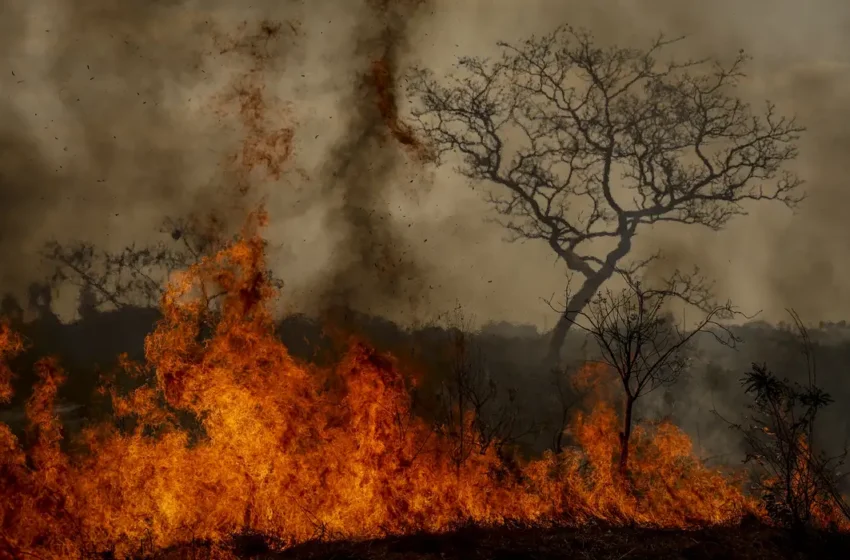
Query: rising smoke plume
x,y
374,263
116,114
109,121
115,120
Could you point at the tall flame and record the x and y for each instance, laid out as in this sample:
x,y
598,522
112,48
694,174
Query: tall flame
x,y
295,452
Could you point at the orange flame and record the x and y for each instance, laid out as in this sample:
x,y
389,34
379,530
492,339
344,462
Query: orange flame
x,y
294,452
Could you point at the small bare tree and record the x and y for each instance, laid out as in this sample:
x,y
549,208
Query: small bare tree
x,y
475,412
586,145
642,343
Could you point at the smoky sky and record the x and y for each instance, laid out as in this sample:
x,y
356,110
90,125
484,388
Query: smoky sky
x,y
100,132
766,261
113,118
373,264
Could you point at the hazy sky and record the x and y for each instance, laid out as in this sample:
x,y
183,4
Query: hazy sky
x,y
116,114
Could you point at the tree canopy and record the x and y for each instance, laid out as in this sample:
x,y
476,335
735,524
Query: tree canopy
x,y
587,144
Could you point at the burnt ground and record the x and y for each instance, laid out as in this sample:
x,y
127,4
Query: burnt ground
x,y
753,542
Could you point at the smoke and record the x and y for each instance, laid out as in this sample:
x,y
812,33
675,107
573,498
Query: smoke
x,y
773,258
109,122
374,267
808,265
119,115
116,115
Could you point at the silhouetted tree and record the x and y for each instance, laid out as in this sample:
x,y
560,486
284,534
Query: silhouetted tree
x,y
639,340
475,412
586,145
135,275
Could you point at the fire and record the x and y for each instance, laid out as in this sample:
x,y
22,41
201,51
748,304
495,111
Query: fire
x,y
295,452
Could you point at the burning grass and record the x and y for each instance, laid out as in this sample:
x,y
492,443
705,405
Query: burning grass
x,y
297,453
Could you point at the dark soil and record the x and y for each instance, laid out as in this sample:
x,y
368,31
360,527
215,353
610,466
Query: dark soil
x,y
748,542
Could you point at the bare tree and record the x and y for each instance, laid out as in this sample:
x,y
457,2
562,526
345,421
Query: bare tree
x,y
642,343
567,396
587,144
135,275
474,411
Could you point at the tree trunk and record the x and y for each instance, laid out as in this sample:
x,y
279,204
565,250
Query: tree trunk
x,y
575,306
625,435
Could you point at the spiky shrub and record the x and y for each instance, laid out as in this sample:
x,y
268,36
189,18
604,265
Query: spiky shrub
x,y
798,483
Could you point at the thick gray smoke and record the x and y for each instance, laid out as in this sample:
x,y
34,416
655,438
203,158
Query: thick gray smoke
x,y
374,265
109,122
117,114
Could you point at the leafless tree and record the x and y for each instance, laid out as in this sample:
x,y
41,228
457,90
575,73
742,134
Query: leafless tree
x,y
585,145
135,275
640,340
475,412
566,397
